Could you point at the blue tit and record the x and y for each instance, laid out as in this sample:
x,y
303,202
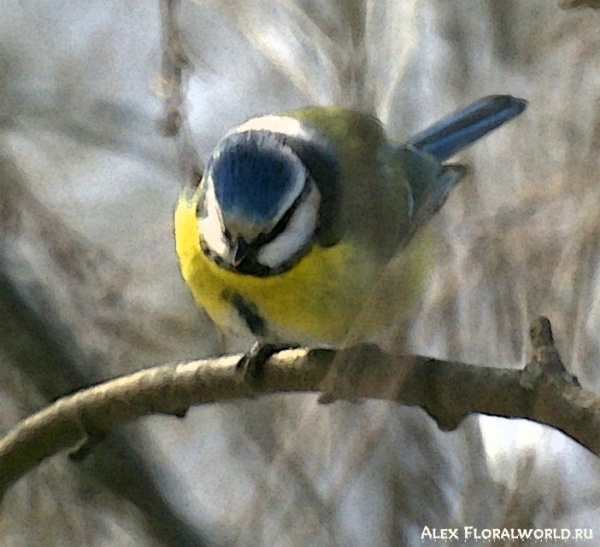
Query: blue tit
x,y
297,215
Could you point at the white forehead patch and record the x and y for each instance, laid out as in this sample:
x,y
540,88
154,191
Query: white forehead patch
x,y
283,125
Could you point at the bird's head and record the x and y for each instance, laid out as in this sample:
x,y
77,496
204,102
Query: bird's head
x,y
259,204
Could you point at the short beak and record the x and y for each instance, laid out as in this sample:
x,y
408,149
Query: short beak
x,y
239,251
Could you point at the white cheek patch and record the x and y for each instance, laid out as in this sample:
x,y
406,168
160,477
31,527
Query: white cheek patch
x,y
210,225
296,235
283,125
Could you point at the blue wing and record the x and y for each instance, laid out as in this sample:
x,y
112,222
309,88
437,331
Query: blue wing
x,y
459,130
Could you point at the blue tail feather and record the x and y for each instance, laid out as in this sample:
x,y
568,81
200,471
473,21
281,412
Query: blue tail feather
x,y
459,130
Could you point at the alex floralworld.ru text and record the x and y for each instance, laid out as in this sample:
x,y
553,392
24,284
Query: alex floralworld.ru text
x,y
504,534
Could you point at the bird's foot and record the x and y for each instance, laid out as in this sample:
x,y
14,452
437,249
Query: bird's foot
x,y
252,364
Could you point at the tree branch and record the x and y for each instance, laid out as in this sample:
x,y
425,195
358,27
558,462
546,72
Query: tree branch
x,y
176,70
448,391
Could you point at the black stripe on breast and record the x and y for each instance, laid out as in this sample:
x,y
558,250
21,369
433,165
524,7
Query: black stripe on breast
x,y
248,312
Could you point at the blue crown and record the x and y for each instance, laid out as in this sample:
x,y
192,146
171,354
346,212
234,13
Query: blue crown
x,y
252,174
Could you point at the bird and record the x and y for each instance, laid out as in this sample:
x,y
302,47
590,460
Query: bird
x,y
297,214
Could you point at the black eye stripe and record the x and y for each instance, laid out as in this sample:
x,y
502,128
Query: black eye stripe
x,y
263,239
325,171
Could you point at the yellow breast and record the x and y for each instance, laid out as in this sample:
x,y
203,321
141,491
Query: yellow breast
x,y
315,301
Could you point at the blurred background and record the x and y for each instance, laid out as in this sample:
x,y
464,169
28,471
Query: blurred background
x,y
90,288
